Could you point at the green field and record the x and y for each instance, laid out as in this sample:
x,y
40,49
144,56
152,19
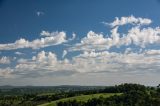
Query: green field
x,y
81,98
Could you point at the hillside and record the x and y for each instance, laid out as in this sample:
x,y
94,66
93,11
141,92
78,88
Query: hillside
x,y
83,98
119,95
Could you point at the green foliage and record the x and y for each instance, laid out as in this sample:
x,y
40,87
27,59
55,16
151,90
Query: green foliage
x,y
131,98
121,95
133,95
124,88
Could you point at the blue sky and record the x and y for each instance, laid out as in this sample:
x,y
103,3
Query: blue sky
x,y
79,42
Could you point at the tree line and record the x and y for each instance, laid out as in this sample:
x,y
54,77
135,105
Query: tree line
x,y
133,95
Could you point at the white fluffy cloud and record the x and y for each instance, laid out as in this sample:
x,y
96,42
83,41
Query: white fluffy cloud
x,y
54,38
128,58
142,37
95,55
89,62
92,41
136,35
43,57
130,20
4,60
43,63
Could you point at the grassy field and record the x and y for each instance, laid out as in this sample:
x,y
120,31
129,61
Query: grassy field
x,y
81,98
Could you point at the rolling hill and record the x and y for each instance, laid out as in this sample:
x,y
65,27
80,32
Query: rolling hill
x,y
83,98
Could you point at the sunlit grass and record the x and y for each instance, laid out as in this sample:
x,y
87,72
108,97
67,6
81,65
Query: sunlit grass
x,y
83,98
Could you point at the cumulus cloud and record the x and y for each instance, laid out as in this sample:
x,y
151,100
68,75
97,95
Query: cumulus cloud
x,y
4,60
117,62
54,38
91,41
130,20
47,63
46,58
43,63
95,55
136,35
143,36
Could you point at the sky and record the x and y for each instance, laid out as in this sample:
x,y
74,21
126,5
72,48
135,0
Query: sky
x,y
79,42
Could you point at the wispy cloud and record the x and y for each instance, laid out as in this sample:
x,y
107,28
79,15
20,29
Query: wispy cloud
x,y
39,13
64,53
19,53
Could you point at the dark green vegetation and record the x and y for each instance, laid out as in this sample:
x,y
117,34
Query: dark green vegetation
x,y
121,95
35,95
